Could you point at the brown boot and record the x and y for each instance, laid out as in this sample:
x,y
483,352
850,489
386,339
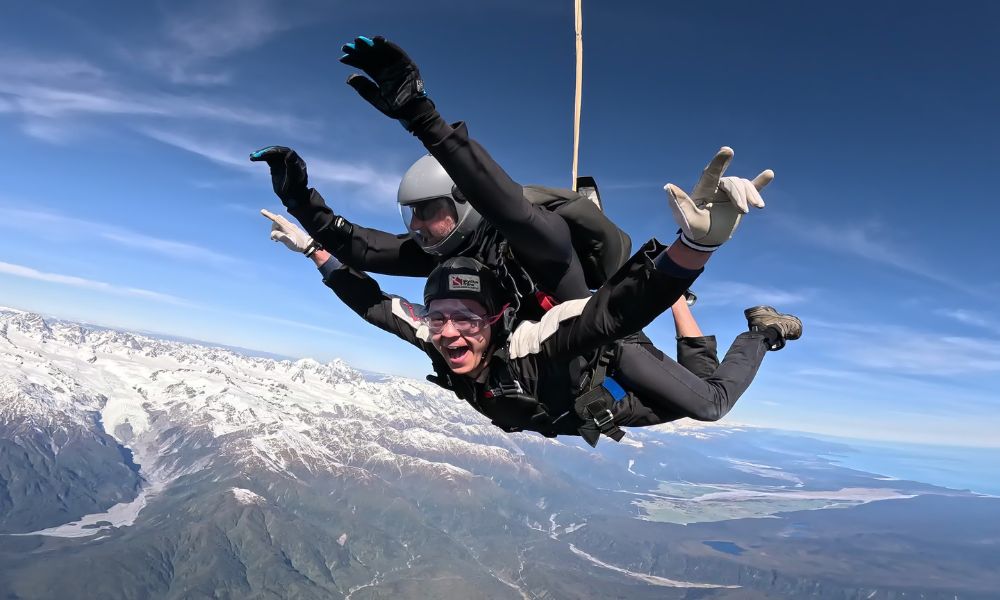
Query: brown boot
x,y
761,318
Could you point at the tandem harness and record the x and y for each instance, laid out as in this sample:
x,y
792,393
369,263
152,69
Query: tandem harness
x,y
511,408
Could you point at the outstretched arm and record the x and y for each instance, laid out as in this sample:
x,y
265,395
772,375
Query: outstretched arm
x,y
359,247
645,286
540,240
363,295
358,291
376,251
654,278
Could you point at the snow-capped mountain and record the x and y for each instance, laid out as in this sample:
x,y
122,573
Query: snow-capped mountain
x,y
102,430
181,470
276,415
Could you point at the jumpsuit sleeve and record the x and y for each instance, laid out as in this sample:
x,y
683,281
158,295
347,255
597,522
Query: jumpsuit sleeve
x,y
360,247
643,288
390,254
481,180
363,295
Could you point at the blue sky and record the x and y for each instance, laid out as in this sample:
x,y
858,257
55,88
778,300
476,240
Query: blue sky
x,y
128,200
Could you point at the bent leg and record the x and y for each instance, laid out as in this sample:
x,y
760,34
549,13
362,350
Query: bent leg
x,y
698,355
667,387
695,351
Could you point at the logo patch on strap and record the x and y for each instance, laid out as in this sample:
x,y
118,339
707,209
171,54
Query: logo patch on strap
x,y
464,283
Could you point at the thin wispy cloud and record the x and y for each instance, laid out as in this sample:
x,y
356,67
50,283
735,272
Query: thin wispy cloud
x,y
733,293
378,187
968,317
25,272
381,186
849,380
296,324
224,27
90,284
62,90
60,103
173,249
197,35
905,351
852,392
245,210
870,243
25,66
50,132
227,155
51,102
50,224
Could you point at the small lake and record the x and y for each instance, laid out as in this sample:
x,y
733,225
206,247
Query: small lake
x,y
727,547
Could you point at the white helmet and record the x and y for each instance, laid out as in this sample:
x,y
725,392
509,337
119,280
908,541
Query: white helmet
x,y
427,180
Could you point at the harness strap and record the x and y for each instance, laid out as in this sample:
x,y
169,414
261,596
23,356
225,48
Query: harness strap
x,y
506,384
594,405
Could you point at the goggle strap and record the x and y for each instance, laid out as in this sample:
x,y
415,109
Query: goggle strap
x,y
500,315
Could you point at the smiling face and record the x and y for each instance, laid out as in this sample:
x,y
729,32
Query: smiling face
x,y
464,352
432,220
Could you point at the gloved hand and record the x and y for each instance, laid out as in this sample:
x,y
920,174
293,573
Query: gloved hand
x,y
710,215
395,87
282,230
288,174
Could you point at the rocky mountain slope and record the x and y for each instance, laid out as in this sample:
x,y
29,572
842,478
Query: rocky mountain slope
x,y
134,467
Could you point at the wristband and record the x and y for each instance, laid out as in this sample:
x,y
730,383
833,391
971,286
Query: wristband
x,y
695,245
312,248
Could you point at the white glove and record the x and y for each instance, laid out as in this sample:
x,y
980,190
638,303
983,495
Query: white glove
x,y
282,230
710,215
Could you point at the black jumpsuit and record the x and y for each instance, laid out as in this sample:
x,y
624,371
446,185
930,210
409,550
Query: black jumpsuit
x,y
545,357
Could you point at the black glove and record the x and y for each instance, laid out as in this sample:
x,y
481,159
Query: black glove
x,y
291,184
395,87
288,174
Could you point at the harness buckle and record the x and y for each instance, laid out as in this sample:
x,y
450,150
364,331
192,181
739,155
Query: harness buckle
x,y
513,387
603,418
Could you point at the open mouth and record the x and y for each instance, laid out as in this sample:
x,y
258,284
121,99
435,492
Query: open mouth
x,y
456,354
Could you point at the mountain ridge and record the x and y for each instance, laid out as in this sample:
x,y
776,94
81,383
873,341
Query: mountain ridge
x,y
190,471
